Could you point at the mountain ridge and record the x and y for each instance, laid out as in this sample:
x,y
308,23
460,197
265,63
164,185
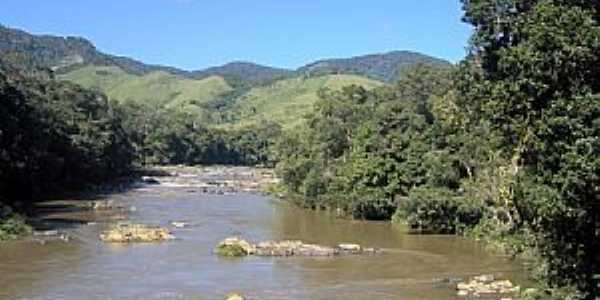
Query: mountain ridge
x,y
65,54
384,66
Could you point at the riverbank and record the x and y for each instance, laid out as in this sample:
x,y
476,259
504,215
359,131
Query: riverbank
x,y
515,246
42,214
412,267
86,205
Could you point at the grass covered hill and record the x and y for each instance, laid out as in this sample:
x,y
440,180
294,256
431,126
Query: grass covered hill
x,y
287,101
235,94
157,88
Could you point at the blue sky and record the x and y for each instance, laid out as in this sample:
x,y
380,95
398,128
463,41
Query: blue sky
x,y
194,34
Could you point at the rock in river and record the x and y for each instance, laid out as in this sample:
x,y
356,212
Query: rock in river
x,y
180,224
486,285
235,297
131,233
235,246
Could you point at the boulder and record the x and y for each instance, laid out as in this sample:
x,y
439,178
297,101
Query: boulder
x,y
278,248
234,246
178,224
486,285
486,278
316,250
130,233
350,248
235,297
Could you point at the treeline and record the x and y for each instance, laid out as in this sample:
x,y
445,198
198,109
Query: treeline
x,y
55,135
506,146
170,136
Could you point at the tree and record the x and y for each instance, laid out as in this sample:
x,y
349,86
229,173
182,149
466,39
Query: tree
x,y
531,75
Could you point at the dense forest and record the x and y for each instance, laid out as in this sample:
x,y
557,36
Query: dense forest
x,y
503,147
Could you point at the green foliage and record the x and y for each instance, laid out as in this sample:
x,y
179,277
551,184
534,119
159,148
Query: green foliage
x,y
11,225
287,101
231,251
159,89
384,67
532,77
29,52
361,149
439,210
56,135
245,74
163,136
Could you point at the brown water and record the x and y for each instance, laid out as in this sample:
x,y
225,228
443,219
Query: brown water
x,y
86,268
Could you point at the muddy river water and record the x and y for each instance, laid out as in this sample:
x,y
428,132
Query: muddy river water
x,y
412,267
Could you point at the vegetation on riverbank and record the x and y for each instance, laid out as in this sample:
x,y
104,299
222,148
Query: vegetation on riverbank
x,y
504,147
11,225
55,136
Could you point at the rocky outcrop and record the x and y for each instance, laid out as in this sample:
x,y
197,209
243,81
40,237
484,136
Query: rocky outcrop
x,y
487,286
135,233
236,246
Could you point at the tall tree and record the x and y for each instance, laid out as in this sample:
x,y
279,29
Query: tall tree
x,y
532,74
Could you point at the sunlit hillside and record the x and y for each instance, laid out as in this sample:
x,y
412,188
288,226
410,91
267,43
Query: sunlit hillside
x,y
287,101
158,87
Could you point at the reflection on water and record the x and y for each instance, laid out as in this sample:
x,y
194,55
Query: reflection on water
x,y
187,269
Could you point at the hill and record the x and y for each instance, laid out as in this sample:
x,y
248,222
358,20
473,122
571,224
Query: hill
x,y
158,88
64,53
236,93
287,101
383,67
245,73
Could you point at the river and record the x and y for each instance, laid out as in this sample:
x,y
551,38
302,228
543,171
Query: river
x,y
411,267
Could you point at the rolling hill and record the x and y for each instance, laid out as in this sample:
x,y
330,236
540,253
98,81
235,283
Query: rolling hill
x,y
158,88
287,101
237,94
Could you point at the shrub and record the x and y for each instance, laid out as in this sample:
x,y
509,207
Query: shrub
x,y
438,210
231,251
11,225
